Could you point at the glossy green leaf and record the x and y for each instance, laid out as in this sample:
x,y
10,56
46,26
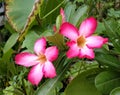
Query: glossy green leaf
x,y
11,42
106,81
21,13
83,84
115,91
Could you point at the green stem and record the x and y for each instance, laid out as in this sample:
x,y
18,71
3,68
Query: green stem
x,y
53,10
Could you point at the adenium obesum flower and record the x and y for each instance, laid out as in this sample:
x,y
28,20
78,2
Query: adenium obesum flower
x,y
81,41
41,61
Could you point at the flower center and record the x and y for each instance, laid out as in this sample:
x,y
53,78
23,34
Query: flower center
x,y
81,41
42,58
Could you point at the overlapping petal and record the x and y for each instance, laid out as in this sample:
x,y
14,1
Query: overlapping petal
x,y
69,31
51,53
35,75
49,70
73,50
86,53
40,46
26,59
95,41
88,27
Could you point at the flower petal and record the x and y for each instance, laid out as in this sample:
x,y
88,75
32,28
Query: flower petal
x,y
86,53
63,15
40,46
73,50
49,70
51,53
35,75
69,31
26,59
95,41
88,27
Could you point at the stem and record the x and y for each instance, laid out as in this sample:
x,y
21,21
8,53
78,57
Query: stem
x,y
53,10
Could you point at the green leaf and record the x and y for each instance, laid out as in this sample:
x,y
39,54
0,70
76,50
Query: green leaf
x,y
106,81
29,41
112,30
21,13
50,9
69,11
83,84
11,42
58,40
78,15
107,59
115,91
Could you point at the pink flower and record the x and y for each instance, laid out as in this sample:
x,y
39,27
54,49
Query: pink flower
x,y
81,41
41,61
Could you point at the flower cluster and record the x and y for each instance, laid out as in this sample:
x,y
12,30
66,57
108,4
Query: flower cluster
x,y
81,45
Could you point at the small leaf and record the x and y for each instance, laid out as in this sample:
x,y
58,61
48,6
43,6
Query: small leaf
x,y
11,42
57,39
29,41
106,81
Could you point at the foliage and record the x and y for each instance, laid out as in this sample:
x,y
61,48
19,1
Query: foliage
x,y
28,20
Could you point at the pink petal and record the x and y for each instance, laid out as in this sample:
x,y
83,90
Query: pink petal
x,y
40,46
73,50
88,27
51,53
69,31
35,75
26,59
86,53
95,41
62,14
49,70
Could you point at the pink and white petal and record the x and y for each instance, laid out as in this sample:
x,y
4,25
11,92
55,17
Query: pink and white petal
x,y
86,53
36,74
26,59
70,43
95,41
88,27
69,31
51,53
40,46
73,51
49,70
63,15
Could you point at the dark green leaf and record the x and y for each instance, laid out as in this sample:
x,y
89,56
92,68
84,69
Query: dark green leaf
x,y
11,42
106,81
115,91
83,84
